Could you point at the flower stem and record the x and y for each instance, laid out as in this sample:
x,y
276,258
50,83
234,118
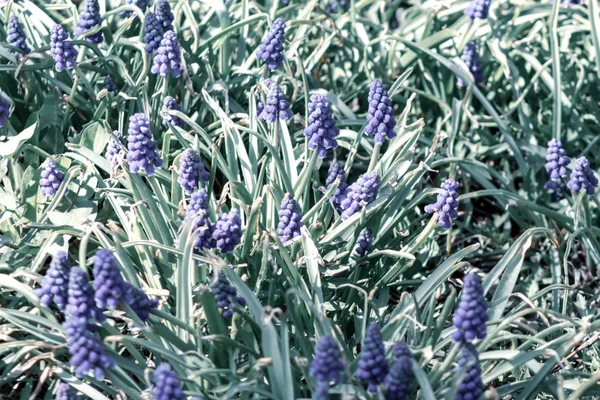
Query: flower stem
x,y
374,157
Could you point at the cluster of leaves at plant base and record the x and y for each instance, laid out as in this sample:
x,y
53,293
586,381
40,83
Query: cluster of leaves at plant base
x,y
476,98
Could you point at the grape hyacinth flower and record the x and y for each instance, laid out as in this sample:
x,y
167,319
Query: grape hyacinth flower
x,y
167,57
81,305
153,33
89,19
336,171
321,392
227,231
381,115
65,392
321,130
226,295
372,366
582,177
55,284
478,9
446,205
109,84
277,105
142,155
191,170
471,59
557,188
62,50
164,15
331,7
290,219
167,385
141,4
364,243
171,104
113,149
285,3
4,110
141,304
197,213
399,381
556,160
109,285
16,36
86,350
360,194
271,51
471,385
327,365
50,178
471,315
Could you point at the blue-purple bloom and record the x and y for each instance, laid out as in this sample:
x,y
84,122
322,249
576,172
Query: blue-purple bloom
x,y
372,366
65,392
327,365
277,105
141,304
471,59
4,110
81,305
360,194
582,177
227,232
364,243
142,154
55,284
86,350
226,295
113,149
381,115
89,18
164,15
109,84
471,385
171,104
191,171
198,214
271,51
51,178
447,204
167,58
398,382
153,32
167,385
471,315
16,36
62,49
290,219
321,130
109,285
556,160
141,4
478,9
336,171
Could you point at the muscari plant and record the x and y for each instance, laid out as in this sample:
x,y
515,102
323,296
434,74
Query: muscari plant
x,y
226,200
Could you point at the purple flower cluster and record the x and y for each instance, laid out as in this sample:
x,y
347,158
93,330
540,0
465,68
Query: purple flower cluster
x,y
471,385
336,171
109,285
471,314
141,155
471,59
372,366
364,243
62,50
191,170
360,194
381,115
327,365
50,178
164,15
290,219
197,213
16,36
81,306
277,105
55,284
321,130
446,205
167,385
86,350
478,9
227,232
88,19
398,382
141,4
226,295
171,104
4,110
271,51
113,149
582,177
65,392
109,84
556,160
141,304
153,33
167,58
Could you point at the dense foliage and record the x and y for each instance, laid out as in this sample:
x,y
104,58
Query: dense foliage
x,y
270,199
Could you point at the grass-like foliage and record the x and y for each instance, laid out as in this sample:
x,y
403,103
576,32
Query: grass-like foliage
x,y
269,199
